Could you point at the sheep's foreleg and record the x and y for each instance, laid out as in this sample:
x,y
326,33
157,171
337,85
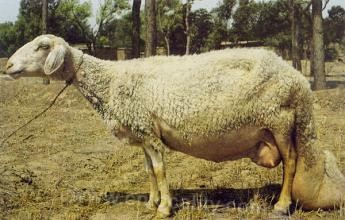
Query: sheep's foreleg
x,y
156,156
154,193
289,155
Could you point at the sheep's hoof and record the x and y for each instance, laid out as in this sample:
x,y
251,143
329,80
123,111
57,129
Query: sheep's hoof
x,y
163,212
151,205
281,210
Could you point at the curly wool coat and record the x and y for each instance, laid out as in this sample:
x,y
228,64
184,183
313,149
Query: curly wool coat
x,y
205,95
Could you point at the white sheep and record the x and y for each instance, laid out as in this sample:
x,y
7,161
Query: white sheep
x,y
219,106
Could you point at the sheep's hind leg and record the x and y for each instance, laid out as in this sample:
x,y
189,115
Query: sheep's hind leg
x,y
288,153
165,206
154,198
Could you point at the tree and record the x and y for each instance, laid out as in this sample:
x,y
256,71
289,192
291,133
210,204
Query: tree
x,y
296,44
309,38
335,25
188,8
66,18
27,26
224,10
63,18
106,16
201,27
273,26
245,19
8,42
221,16
169,17
28,22
46,81
318,46
44,16
69,20
151,27
118,33
136,28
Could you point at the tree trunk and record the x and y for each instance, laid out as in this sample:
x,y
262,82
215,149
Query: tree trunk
x,y
45,28
151,28
311,51
318,46
136,29
187,21
167,43
295,17
44,16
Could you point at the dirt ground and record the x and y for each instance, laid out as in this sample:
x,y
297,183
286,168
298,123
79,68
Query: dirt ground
x,y
66,165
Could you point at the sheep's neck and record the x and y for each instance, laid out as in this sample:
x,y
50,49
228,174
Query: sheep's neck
x,y
97,101
92,81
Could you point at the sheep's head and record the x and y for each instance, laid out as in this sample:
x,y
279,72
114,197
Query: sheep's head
x,y
42,57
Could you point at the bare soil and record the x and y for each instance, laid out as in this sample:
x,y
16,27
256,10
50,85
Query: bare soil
x,y
66,165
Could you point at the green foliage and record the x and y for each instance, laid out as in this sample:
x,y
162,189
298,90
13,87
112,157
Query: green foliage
x,y
123,33
117,33
24,29
272,20
225,10
218,34
109,9
245,19
207,30
178,41
69,20
7,39
231,20
66,18
108,12
28,24
334,25
202,25
221,16
267,22
170,15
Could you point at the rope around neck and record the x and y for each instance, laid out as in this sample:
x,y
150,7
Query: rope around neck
x,y
68,83
38,115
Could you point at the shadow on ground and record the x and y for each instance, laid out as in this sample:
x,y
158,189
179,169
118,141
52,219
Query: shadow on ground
x,y
221,198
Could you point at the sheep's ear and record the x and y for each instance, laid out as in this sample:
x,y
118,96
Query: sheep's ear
x,y
55,59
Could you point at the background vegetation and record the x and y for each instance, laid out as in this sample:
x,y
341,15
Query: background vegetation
x,y
294,28
242,20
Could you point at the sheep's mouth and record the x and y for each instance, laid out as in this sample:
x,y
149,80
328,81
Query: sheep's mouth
x,y
16,74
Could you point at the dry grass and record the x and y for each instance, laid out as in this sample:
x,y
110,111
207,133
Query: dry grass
x,y
65,165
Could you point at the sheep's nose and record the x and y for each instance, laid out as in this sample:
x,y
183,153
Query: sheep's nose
x,y
9,65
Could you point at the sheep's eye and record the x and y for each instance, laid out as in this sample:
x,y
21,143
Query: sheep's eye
x,y
44,46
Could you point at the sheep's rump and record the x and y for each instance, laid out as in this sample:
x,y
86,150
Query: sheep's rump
x,y
213,92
